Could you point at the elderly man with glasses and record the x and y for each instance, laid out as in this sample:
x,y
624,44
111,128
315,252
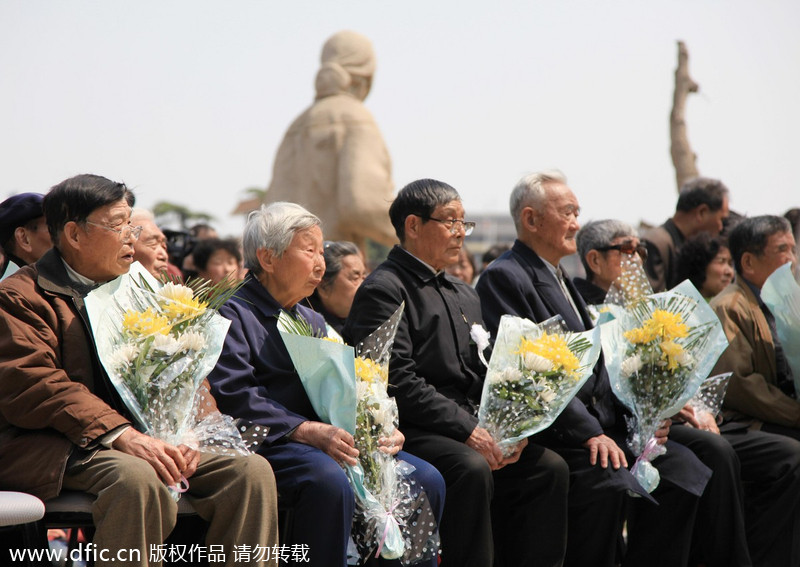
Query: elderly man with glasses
x,y
63,425
528,281
498,511
768,464
602,246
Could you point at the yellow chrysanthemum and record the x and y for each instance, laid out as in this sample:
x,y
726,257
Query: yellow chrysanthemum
x,y
671,352
640,335
662,324
554,348
667,325
145,323
333,340
367,370
184,310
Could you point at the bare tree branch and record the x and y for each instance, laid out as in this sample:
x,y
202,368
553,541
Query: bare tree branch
x,y
683,158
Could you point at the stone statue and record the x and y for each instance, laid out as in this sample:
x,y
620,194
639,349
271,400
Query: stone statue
x,y
333,159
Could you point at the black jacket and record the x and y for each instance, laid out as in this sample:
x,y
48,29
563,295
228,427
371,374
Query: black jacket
x,y
434,373
519,283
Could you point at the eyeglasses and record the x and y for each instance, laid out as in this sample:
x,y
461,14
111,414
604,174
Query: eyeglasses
x,y
627,247
454,224
124,233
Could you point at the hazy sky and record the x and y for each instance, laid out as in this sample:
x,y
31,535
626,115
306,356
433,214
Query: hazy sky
x,y
187,101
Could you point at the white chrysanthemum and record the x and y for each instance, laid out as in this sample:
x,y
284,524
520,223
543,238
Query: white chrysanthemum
x,y
124,355
384,415
362,389
165,344
504,375
511,374
547,394
631,364
537,363
192,340
176,292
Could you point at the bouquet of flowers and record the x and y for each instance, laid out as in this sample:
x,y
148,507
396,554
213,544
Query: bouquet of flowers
x,y
158,343
781,294
534,372
658,352
348,388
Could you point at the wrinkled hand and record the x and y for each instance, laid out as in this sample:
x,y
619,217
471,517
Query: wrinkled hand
x,y
392,444
703,420
482,442
708,422
662,433
334,441
687,414
192,458
604,447
514,457
167,460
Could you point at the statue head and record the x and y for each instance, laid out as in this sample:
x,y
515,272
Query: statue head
x,y
347,66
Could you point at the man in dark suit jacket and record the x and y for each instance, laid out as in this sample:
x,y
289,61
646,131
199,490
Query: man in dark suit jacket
x,y
527,281
498,510
702,207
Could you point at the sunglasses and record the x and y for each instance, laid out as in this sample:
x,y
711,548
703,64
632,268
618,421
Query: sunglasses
x,y
627,247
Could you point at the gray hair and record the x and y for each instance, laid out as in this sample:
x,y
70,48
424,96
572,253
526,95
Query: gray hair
x,y
596,234
529,192
335,252
272,227
144,214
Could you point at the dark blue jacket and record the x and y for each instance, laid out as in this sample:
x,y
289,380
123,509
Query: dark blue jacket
x,y
255,378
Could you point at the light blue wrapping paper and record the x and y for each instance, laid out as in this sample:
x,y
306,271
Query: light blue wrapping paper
x,y
616,348
327,371
328,374
782,295
509,334
105,306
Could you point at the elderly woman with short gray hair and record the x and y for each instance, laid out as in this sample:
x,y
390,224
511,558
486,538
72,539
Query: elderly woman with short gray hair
x,y
255,379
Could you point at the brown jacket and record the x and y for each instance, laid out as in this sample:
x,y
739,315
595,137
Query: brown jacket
x,y
53,394
753,393
662,244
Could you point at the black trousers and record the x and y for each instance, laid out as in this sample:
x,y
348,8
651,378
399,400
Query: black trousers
x,y
659,524
516,516
719,537
770,464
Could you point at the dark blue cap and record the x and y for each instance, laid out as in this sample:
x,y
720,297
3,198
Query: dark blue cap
x,y
17,210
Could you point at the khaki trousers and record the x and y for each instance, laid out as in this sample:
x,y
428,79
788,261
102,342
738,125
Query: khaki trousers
x,y
134,509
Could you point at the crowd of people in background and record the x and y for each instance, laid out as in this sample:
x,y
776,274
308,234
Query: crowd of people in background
x,y
730,489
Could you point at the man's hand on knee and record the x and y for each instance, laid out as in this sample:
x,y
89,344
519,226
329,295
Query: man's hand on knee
x,y
167,460
192,458
482,442
605,449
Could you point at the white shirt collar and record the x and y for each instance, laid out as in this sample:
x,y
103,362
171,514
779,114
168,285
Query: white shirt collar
x,y
75,276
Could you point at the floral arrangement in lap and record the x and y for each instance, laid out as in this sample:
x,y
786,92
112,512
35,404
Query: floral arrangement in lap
x,y
348,388
534,372
158,341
